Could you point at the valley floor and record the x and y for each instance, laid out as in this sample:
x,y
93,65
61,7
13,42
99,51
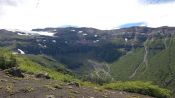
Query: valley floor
x,y
31,87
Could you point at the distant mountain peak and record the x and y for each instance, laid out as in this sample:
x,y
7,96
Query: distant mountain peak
x,y
128,25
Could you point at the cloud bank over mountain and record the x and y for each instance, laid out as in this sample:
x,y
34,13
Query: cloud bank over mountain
x,y
102,14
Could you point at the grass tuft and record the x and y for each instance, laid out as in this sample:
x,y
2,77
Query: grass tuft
x,y
146,88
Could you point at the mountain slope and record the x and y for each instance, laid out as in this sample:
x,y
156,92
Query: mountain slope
x,y
23,77
158,66
136,53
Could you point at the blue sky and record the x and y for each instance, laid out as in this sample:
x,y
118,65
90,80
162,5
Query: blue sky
x,y
101,14
132,24
156,1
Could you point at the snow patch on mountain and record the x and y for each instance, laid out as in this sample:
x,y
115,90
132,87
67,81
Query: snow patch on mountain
x,y
23,32
80,32
21,52
43,33
54,41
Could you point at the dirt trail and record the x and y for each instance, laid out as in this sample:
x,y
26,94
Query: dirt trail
x,y
165,42
145,60
135,71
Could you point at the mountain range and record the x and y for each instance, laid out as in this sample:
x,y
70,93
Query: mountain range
x,y
100,56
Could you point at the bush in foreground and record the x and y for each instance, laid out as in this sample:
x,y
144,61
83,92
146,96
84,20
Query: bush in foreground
x,y
7,60
146,88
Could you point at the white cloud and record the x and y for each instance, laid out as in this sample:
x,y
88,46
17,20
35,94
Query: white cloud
x,y
103,14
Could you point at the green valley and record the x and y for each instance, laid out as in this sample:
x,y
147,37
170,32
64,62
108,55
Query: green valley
x,y
136,59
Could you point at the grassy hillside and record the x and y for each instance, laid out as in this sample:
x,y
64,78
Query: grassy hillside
x,y
9,60
126,65
28,66
158,65
140,87
100,56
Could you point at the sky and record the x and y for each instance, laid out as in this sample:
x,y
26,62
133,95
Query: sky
x,y
101,14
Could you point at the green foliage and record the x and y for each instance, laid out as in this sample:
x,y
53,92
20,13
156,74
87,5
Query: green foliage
x,y
88,84
27,89
49,62
28,66
7,60
160,68
118,41
157,44
147,88
98,78
125,66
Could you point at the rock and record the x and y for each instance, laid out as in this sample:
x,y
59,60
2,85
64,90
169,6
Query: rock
x,y
74,84
3,80
70,87
14,71
50,96
43,75
121,93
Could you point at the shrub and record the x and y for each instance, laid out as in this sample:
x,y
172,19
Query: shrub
x,y
7,60
146,88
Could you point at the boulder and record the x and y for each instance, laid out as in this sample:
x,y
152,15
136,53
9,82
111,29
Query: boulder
x,y
14,71
42,75
50,96
74,84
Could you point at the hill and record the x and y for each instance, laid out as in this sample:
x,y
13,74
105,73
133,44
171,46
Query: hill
x,y
100,56
22,77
